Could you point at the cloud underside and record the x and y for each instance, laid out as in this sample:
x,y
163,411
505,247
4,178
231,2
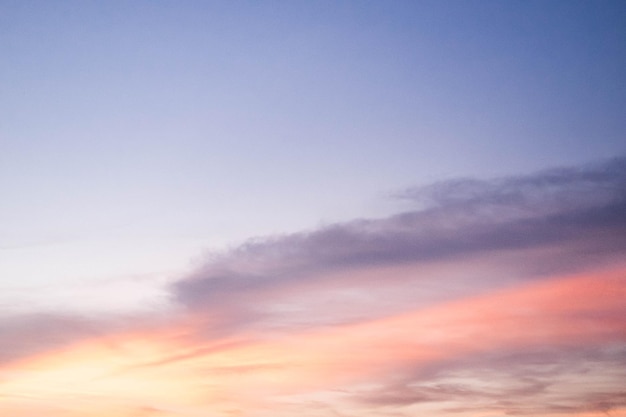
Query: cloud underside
x,y
581,211
500,297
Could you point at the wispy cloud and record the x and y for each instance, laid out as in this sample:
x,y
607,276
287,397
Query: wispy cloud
x,y
577,215
500,297
27,335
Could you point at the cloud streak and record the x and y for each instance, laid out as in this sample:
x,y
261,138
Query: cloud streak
x,y
579,214
501,297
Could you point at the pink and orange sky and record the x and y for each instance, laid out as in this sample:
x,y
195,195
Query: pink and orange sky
x,y
312,208
504,299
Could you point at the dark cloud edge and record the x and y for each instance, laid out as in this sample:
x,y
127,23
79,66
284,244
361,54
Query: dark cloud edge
x,y
583,208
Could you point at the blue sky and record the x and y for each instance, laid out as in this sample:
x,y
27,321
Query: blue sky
x,y
171,128
140,141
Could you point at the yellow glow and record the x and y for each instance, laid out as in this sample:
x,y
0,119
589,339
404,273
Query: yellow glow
x,y
169,371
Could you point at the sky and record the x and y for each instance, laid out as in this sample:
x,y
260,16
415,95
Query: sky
x,y
313,208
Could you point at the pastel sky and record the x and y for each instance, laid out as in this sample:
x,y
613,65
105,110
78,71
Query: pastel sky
x,y
312,208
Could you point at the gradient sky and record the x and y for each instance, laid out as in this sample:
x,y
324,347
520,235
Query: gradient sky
x,y
316,208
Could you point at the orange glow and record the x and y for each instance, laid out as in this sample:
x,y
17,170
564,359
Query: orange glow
x,y
182,375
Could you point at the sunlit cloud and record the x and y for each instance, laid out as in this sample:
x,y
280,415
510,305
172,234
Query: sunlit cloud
x,y
555,221
516,350
496,298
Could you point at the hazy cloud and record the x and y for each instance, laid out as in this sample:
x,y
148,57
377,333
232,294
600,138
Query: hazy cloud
x,y
582,211
534,381
27,335
440,308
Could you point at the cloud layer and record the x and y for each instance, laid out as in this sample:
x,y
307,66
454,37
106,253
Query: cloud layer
x,y
491,297
558,221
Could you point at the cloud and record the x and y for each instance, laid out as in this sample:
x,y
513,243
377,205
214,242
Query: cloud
x,y
533,381
31,334
536,348
578,215
27,336
501,296
548,348
542,192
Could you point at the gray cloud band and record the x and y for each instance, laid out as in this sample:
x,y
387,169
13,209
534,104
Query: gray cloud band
x,y
583,209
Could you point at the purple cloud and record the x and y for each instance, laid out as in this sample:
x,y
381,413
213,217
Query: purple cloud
x,y
579,211
536,381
